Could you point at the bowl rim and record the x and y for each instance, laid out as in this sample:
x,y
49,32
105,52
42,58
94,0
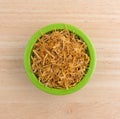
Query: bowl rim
x,y
38,34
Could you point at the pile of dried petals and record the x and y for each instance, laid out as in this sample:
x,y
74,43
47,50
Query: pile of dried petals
x,y
60,59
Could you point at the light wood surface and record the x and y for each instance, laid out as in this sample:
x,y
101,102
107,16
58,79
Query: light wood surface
x,y
20,99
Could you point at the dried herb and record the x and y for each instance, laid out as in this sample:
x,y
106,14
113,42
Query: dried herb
x,y
60,59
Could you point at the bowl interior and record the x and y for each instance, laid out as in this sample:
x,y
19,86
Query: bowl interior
x,y
28,51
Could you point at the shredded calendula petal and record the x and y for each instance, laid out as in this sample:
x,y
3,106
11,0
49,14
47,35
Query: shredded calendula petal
x,y
60,59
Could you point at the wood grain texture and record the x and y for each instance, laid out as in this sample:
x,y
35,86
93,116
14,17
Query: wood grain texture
x,y
20,99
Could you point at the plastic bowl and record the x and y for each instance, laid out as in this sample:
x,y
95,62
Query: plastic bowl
x,y
28,51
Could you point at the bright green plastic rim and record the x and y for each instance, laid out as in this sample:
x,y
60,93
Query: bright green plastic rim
x,y
44,30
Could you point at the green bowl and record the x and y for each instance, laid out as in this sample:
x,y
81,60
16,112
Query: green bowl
x,y
28,51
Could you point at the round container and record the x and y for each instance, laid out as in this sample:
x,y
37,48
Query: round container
x,y
91,52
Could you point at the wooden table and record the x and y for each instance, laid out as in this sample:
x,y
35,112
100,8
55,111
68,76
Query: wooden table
x,y
20,99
